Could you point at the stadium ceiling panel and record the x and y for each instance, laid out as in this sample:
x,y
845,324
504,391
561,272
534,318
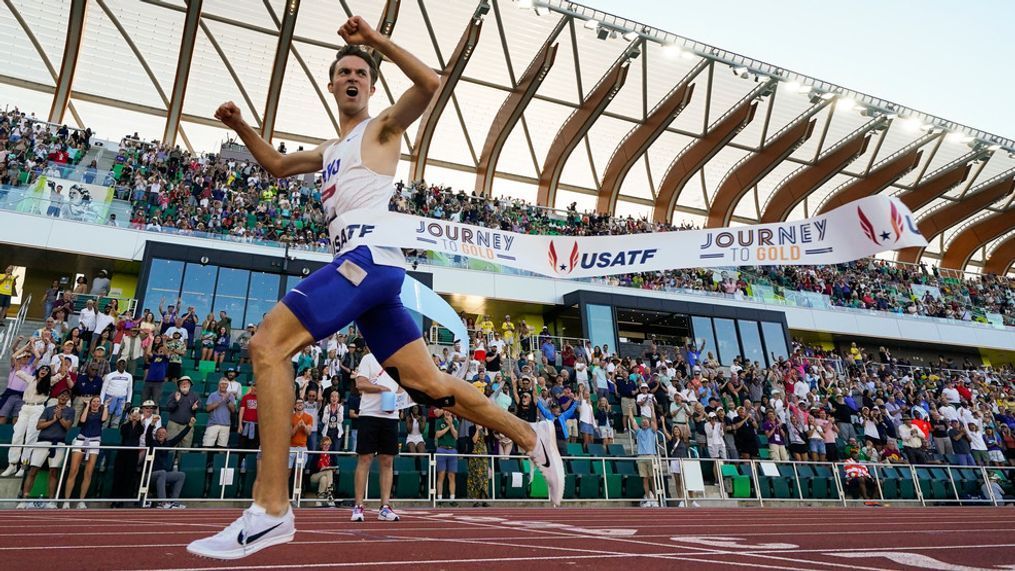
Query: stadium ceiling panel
x,y
1001,255
965,242
938,221
686,163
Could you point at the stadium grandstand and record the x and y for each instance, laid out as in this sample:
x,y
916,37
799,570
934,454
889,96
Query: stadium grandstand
x,y
142,245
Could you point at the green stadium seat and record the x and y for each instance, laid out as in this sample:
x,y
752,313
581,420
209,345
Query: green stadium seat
x,y
942,486
508,484
40,489
614,483
740,485
6,434
537,488
824,480
633,485
597,450
588,482
194,466
967,481
889,482
218,463
345,483
408,481
575,449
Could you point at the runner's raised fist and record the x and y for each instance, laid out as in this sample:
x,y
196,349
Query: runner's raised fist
x,y
229,114
357,31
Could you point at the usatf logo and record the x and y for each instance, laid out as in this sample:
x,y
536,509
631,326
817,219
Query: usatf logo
x,y
589,260
880,238
563,268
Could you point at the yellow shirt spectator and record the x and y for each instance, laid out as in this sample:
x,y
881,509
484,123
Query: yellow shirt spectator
x,y
486,326
507,329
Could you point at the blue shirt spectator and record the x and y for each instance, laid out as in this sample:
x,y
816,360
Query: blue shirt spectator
x,y
549,351
560,420
220,414
646,439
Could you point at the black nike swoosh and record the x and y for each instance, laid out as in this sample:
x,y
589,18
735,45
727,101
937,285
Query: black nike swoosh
x,y
545,455
252,538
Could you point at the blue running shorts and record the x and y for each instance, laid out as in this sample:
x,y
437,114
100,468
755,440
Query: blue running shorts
x,y
326,301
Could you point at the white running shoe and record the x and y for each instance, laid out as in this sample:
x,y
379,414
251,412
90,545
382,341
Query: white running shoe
x,y
547,458
66,505
82,506
251,532
387,514
50,505
11,468
357,513
177,506
22,505
20,473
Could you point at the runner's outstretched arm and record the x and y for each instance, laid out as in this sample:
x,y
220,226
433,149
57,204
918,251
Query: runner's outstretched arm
x,y
277,164
425,82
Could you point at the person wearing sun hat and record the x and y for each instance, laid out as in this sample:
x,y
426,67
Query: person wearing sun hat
x,y
182,407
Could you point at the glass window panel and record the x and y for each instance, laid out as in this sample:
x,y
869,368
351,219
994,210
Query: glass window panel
x,y
198,288
704,336
262,296
291,282
775,339
726,340
231,294
164,278
750,338
600,322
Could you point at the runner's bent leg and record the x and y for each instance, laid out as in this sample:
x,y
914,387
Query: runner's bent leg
x,y
280,337
417,371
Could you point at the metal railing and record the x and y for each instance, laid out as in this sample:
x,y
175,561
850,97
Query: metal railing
x,y
706,479
10,331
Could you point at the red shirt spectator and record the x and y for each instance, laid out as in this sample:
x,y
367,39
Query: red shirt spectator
x,y
249,405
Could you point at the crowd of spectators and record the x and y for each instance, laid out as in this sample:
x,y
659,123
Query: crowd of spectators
x,y
28,145
172,190
814,404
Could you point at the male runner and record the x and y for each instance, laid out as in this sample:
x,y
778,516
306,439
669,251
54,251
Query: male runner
x,y
362,284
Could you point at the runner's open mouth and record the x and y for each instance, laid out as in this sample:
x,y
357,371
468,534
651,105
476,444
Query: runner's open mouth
x,y
352,91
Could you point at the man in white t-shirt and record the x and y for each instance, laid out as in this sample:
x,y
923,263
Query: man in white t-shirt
x,y
458,358
68,353
951,394
378,431
177,328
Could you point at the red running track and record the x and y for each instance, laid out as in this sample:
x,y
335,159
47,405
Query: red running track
x,y
953,539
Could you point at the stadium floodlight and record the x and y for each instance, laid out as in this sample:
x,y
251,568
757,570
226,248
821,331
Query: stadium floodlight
x,y
845,104
993,148
794,86
525,4
591,24
957,137
630,36
911,124
740,71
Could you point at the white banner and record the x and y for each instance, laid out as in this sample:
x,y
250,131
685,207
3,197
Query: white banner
x,y
856,230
